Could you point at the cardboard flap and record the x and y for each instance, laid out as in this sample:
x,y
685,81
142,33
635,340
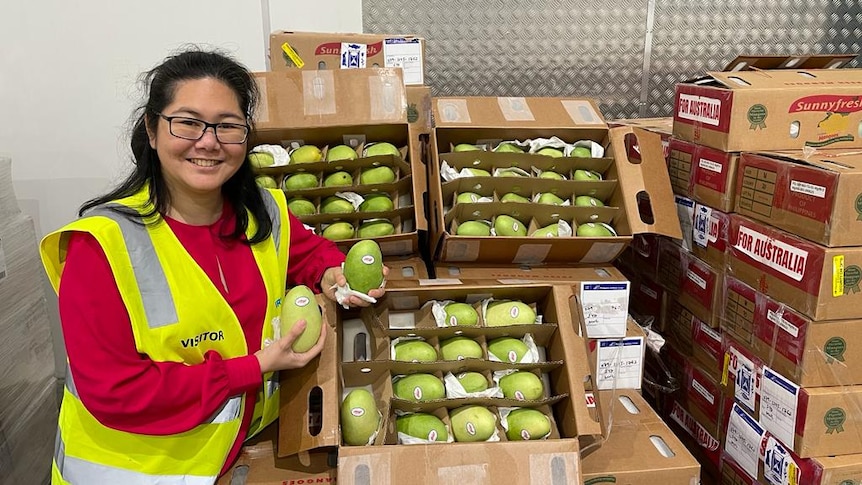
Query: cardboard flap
x,y
787,78
647,183
337,97
841,161
815,61
515,112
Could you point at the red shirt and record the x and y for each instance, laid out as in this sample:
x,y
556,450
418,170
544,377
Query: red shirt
x,y
126,390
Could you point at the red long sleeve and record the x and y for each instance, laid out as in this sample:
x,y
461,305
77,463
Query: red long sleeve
x,y
126,390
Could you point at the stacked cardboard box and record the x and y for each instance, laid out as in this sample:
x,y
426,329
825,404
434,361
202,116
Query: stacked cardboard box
x,y
28,395
759,292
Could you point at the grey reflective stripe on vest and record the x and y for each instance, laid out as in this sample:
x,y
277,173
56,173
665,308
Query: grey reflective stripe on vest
x,y
228,411
70,383
153,284
274,216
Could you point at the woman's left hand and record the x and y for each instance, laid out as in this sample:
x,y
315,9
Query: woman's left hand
x,y
334,277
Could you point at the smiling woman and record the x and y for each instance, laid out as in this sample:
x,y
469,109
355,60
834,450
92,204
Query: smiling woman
x,y
168,287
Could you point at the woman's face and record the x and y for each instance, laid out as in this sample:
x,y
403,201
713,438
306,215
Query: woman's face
x,y
197,168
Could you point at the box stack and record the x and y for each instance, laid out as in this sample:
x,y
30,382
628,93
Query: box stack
x,y
534,176
28,398
759,292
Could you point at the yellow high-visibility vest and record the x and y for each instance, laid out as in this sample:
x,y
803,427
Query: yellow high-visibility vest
x,y
177,315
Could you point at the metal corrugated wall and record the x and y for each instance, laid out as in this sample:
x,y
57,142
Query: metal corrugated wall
x,y
627,54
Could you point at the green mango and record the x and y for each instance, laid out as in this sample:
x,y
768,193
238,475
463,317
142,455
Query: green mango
x,y
467,198
472,423
472,381
509,226
359,417
522,385
550,152
419,388
460,348
587,201
478,172
423,426
547,174
338,179
341,152
261,159
508,349
306,154
299,181
550,199
301,207
363,266
338,231
508,148
266,182
593,229
508,172
299,304
581,152
382,148
551,230
336,205
509,312
527,424
513,197
473,228
465,147
587,175
376,203
376,175
377,228
415,351
461,314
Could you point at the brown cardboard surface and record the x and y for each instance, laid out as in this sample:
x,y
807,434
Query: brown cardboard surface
x,y
810,353
386,460
662,126
770,110
816,195
696,284
817,281
474,119
705,174
319,50
454,273
812,61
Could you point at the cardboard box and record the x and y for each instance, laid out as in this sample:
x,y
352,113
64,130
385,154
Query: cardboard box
x,y
639,449
399,314
661,126
457,274
641,257
710,236
708,174
694,338
405,272
703,444
816,195
354,107
770,110
696,284
811,421
817,281
809,353
316,50
258,464
772,462
491,120
782,61
616,363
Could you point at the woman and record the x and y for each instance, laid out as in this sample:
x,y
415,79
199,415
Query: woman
x,y
168,286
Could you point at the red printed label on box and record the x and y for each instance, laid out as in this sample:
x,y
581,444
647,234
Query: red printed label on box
x,y
700,106
782,329
708,339
699,283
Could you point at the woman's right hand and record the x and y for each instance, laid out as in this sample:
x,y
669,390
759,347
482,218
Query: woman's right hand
x,y
280,356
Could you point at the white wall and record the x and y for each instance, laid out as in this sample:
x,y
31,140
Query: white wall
x,y
68,73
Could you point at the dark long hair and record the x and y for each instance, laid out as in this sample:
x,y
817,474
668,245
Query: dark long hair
x,y
160,85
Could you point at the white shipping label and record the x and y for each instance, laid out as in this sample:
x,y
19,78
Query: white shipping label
x,y
353,56
744,374
779,400
709,331
705,226
710,165
697,386
808,189
2,262
606,308
742,443
685,213
699,108
696,279
781,323
406,54
619,363
779,467
780,256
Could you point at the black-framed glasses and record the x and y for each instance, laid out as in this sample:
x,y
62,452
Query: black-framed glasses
x,y
194,129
